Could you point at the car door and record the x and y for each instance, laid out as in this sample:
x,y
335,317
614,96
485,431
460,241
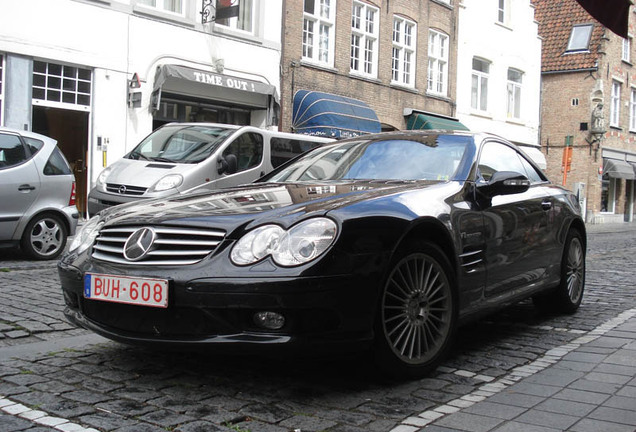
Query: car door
x,y
19,183
248,149
516,225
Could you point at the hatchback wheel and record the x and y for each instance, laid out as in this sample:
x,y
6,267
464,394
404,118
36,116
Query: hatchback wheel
x,y
567,296
44,237
417,313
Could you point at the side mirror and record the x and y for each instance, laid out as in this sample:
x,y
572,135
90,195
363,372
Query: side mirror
x,y
227,164
504,183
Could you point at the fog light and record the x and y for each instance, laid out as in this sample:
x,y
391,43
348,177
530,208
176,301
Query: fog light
x,y
269,320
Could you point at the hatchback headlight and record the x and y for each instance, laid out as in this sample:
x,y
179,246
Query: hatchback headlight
x,y
168,182
86,235
300,244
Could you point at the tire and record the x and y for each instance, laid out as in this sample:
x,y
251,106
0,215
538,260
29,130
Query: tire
x,y
417,313
44,237
567,296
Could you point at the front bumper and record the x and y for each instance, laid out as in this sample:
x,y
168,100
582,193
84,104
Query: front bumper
x,y
320,313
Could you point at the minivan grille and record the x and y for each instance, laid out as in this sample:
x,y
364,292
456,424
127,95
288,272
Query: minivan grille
x,y
170,245
126,190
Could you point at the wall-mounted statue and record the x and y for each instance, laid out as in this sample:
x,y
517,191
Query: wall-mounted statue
x,y
598,120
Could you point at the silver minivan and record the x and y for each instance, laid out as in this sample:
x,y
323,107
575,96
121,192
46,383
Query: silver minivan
x,y
179,156
37,194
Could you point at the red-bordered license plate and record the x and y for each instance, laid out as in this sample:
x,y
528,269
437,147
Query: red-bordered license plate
x,y
129,290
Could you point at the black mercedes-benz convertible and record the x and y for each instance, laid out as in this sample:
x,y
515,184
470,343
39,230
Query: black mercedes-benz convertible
x,y
385,242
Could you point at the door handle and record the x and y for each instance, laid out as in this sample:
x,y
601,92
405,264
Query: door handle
x,y
26,187
546,205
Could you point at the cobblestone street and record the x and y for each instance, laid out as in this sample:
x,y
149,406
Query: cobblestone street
x,y
54,376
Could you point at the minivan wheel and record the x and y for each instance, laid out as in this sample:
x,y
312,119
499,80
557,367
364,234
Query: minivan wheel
x,y
44,237
417,314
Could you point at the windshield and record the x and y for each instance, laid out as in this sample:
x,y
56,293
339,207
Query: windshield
x,y
178,143
430,157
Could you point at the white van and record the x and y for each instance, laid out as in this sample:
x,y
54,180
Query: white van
x,y
179,156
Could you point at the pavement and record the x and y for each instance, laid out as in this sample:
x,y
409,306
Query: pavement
x,y
514,371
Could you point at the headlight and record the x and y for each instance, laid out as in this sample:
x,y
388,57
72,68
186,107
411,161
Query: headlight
x,y
168,182
101,180
86,235
300,244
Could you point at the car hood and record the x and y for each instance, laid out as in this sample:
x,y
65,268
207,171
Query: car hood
x,y
143,173
270,202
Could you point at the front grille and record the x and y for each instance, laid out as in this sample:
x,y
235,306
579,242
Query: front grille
x,y
125,190
172,245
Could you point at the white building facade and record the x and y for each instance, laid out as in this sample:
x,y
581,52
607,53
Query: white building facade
x,y
99,75
499,71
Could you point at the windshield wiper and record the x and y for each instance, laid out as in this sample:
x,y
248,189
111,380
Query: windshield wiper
x,y
161,159
137,155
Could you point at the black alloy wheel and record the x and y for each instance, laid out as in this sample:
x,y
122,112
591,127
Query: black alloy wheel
x,y
417,313
567,296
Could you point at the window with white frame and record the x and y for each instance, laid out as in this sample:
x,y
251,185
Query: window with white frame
x,y
627,48
615,104
437,80
632,111
60,83
174,6
513,105
318,31
364,39
245,18
479,85
503,12
403,53
580,37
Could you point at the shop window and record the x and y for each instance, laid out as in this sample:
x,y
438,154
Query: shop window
x,y
248,149
437,81
319,31
403,53
364,39
243,21
60,83
608,194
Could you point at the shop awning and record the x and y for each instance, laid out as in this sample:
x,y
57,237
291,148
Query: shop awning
x,y
333,116
430,121
618,169
197,83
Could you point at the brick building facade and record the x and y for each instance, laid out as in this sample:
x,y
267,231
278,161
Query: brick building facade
x,y
588,109
357,49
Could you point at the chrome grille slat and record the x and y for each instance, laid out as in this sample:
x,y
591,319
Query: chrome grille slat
x,y
172,245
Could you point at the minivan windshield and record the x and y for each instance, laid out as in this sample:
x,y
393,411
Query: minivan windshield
x,y
430,158
181,144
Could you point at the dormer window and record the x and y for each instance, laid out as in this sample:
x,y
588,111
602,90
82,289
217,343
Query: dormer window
x,y
580,38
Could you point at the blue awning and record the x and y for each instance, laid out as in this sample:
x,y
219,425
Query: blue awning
x,y
332,116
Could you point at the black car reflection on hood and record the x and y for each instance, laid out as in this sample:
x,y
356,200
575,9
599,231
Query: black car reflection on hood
x,y
386,241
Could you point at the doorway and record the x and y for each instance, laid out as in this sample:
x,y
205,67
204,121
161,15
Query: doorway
x,y
70,129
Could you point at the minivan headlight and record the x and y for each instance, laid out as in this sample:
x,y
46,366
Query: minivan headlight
x,y
168,182
300,244
101,180
86,235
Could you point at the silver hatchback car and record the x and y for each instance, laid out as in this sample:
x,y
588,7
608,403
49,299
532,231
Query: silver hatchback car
x,y
37,194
